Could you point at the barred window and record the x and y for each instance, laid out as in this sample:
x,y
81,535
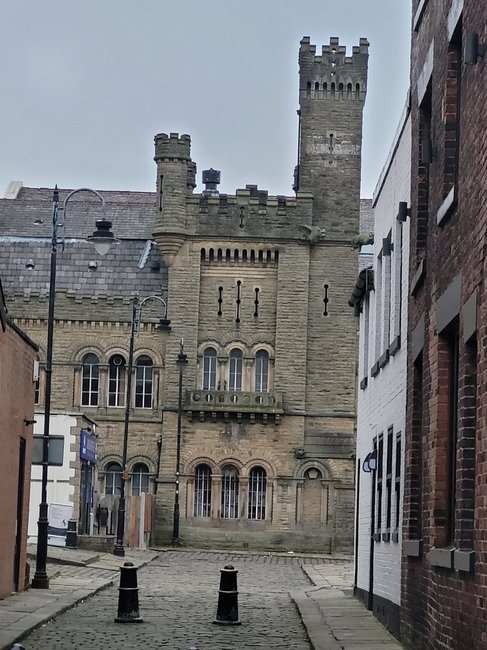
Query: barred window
x,y
261,371
116,381
257,493
90,380
202,491
140,479
113,479
143,382
235,371
209,369
229,502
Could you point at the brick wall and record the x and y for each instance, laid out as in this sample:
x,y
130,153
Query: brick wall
x,y
444,589
16,403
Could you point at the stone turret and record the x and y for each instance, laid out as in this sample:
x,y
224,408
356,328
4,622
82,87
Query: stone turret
x,y
175,182
332,89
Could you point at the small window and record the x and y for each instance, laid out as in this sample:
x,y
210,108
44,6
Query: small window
x,y
257,493
116,380
143,382
90,376
202,491
261,371
209,369
235,370
113,479
140,479
229,500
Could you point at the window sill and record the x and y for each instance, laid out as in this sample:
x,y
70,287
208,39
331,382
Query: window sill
x,y
374,371
446,207
395,537
395,346
412,547
464,561
442,557
418,278
383,359
386,537
376,537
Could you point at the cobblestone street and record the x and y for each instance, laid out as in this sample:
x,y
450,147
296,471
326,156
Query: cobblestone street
x,y
178,595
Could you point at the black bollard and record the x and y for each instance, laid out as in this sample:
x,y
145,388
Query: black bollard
x,y
227,612
128,595
72,535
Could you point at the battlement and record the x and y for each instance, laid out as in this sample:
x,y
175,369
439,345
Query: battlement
x,y
333,74
172,147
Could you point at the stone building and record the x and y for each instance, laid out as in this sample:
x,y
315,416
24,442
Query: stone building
x,y
445,569
257,289
17,365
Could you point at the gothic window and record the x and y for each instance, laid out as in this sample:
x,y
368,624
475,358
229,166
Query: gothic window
x,y
257,493
90,380
143,382
229,501
209,369
140,479
235,370
202,491
116,380
113,479
261,371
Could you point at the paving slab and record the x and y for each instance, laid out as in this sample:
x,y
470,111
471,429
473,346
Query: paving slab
x,y
334,618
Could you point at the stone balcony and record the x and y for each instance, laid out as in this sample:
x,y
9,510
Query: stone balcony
x,y
224,403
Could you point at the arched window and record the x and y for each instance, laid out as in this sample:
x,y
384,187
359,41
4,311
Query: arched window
x,y
209,369
140,479
229,502
143,382
202,491
113,479
90,380
257,493
235,370
262,371
116,380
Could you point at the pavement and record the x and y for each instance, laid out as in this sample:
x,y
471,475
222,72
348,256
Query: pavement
x,y
332,617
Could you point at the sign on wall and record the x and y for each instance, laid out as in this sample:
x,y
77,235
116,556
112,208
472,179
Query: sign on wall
x,y
87,446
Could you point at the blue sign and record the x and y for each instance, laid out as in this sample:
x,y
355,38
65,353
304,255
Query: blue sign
x,y
87,446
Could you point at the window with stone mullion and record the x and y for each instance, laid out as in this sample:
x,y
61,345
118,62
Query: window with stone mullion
x,y
89,381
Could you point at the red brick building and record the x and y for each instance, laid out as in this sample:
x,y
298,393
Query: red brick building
x,y
444,589
17,356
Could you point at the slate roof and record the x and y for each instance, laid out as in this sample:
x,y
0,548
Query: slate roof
x,y
81,269
132,213
133,265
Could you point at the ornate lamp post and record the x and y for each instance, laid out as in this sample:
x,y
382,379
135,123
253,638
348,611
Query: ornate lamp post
x,y
102,238
164,325
181,361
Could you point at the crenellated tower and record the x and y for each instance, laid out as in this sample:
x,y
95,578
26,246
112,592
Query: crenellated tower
x,y
257,289
332,89
176,175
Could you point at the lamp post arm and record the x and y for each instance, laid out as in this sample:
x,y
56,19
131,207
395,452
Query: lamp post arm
x,y
161,300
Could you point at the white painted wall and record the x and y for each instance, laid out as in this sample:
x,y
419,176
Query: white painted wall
x,y
59,489
382,403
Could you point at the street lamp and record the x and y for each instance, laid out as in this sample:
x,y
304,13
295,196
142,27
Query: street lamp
x,y
103,236
181,361
164,325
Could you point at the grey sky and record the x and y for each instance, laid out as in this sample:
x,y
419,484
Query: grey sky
x,y
86,84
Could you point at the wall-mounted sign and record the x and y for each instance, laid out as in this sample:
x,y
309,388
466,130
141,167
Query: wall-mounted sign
x,y
55,449
87,446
